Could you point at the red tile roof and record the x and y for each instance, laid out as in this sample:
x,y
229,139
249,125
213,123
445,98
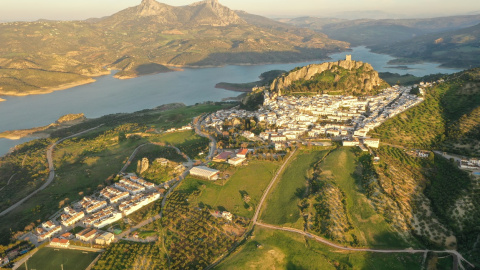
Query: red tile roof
x,y
243,152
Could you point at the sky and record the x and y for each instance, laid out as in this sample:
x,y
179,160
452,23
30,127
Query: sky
x,y
29,10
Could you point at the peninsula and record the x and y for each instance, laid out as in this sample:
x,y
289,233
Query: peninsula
x,y
202,34
43,132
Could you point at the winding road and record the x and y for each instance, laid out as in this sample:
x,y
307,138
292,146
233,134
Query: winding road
x,y
197,123
458,258
51,168
198,129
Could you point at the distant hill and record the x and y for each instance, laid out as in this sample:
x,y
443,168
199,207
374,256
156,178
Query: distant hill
x,y
145,39
342,77
459,48
448,119
372,32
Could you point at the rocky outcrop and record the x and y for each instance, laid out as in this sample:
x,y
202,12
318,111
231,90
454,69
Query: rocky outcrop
x,y
209,12
365,76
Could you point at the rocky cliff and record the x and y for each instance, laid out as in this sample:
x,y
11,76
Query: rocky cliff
x,y
347,76
209,12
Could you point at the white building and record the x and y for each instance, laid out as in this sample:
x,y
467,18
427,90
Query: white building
x,y
374,143
236,161
204,172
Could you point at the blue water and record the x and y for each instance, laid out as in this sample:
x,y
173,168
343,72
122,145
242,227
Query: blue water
x,y
109,95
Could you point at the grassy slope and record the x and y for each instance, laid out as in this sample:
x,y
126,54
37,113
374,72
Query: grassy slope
x,y
252,179
283,250
369,227
282,203
50,258
82,164
447,119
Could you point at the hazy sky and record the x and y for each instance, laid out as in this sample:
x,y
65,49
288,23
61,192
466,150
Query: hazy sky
x,y
82,9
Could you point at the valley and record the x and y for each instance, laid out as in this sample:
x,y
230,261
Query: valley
x,y
204,137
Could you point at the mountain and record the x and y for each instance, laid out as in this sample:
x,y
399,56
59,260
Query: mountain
x,y
38,57
344,77
208,12
459,48
372,32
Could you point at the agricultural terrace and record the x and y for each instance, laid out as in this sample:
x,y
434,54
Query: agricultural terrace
x,y
282,203
189,238
51,258
339,202
240,194
130,255
87,163
271,249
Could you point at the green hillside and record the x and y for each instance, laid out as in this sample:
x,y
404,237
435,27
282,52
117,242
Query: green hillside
x,y
448,119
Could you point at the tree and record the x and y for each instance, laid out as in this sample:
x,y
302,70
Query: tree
x,y
122,137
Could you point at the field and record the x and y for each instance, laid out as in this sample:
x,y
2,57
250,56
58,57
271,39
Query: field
x,y
87,163
282,203
250,180
269,249
51,259
369,227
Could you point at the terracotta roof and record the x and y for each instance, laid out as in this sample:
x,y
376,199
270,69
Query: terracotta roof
x,y
243,152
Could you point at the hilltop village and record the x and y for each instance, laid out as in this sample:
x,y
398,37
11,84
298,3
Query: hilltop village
x,y
318,119
339,118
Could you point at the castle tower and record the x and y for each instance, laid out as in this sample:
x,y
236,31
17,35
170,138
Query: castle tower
x,y
348,57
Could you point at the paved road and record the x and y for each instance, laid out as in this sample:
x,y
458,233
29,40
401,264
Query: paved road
x,y
448,156
51,168
189,165
132,156
135,152
213,141
213,145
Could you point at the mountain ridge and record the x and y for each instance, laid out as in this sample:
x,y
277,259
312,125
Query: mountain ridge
x,y
145,39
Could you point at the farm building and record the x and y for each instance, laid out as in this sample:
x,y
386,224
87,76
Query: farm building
x,y
236,161
204,172
224,156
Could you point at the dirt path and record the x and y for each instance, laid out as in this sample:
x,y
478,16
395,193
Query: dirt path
x,y
458,258
8,183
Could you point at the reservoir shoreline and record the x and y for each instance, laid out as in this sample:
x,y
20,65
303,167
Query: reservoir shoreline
x,y
108,95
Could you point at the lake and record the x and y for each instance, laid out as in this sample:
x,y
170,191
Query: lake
x,y
109,95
